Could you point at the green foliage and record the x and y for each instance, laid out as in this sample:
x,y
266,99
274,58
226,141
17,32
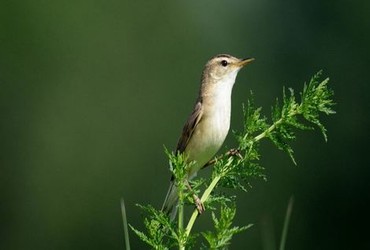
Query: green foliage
x,y
234,169
221,238
315,98
179,168
160,234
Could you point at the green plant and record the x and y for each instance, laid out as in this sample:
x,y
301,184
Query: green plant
x,y
235,168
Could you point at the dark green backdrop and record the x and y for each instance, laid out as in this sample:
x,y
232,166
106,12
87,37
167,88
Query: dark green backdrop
x,y
90,91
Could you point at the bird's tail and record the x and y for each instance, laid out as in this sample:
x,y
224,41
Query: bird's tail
x,y
170,203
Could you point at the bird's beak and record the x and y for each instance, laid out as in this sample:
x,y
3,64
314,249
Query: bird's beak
x,y
245,61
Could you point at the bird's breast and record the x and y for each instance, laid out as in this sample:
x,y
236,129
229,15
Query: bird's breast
x,y
209,135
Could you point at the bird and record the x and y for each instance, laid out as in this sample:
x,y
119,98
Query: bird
x,y
208,125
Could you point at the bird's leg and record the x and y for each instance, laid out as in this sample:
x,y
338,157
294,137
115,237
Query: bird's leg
x,y
231,152
235,152
198,203
211,162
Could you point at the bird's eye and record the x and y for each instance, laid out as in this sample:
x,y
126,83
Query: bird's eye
x,y
224,63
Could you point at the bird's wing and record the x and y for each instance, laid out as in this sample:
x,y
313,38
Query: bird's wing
x,y
190,126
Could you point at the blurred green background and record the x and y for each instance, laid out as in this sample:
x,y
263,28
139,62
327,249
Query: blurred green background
x,y
90,91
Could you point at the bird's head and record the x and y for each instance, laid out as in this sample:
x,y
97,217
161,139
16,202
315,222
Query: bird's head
x,y
223,67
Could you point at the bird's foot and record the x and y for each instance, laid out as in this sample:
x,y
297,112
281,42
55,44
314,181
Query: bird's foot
x,y
235,152
199,204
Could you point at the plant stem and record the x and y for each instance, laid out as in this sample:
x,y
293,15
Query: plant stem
x,y
181,217
125,227
286,223
214,182
267,131
181,223
205,196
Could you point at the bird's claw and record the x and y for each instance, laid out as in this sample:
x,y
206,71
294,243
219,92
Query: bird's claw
x,y
235,152
199,204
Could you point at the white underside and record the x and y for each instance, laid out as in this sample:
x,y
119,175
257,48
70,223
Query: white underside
x,y
214,126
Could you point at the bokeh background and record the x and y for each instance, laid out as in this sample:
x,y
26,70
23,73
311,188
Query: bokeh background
x,y
90,91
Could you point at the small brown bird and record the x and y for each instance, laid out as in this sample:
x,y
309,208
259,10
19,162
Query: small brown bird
x,y
209,123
